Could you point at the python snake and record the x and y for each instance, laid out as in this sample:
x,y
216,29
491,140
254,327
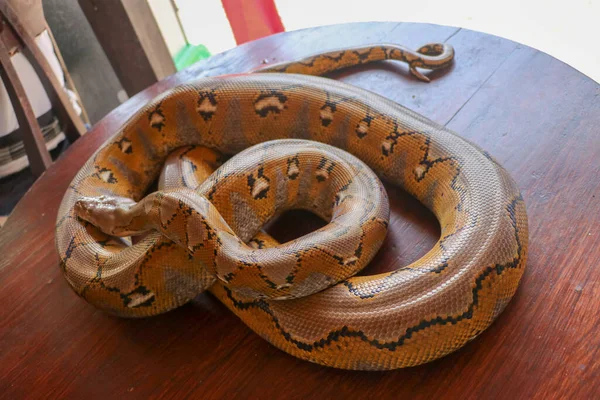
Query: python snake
x,y
202,230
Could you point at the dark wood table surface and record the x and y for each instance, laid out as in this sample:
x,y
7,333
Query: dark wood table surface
x,y
539,117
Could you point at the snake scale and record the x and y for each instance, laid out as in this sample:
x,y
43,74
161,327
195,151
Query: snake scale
x,y
303,142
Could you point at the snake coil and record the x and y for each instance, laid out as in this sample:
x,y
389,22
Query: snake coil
x,y
206,235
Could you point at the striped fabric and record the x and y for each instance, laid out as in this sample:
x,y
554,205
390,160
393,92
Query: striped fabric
x,y
13,157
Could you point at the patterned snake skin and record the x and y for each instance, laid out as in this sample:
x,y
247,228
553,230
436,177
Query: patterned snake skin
x,y
202,230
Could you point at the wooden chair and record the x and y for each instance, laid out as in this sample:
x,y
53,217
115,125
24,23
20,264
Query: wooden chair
x,y
21,21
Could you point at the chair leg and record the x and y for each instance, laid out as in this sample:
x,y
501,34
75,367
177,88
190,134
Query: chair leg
x,y
65,110
37,153
68,79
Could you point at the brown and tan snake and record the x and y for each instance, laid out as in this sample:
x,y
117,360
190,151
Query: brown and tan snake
x,y
202,230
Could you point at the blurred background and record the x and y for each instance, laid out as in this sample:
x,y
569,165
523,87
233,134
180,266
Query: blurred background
x,y
194,29
101,52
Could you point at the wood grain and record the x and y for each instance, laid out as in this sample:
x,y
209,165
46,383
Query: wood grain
x,y
536,115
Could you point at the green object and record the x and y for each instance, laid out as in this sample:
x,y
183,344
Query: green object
x,y
189,55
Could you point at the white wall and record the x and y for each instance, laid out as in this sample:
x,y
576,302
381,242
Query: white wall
x,y
205,22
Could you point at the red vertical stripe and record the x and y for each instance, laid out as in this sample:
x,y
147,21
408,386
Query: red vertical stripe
x,y
252,19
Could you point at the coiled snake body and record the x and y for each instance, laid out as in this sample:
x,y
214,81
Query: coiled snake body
x,y
206,235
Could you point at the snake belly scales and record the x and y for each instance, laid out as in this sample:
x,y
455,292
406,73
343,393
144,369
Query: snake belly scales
x,y
306,142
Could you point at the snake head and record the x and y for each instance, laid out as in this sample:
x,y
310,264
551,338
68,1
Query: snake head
x,y
106,213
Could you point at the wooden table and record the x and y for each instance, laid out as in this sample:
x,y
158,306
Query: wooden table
x,y
536,115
